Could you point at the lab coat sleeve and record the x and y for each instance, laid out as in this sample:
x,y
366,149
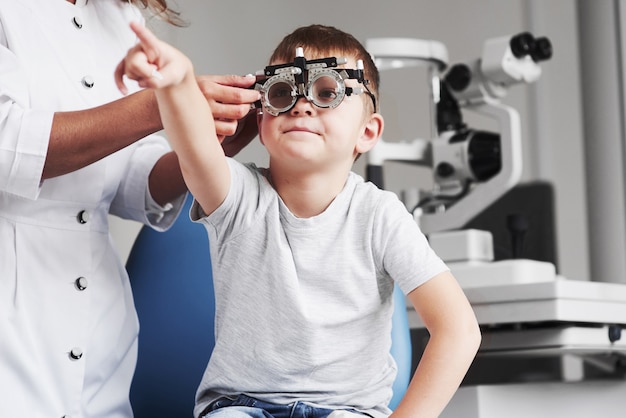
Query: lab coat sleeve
x,y
25,132
133,200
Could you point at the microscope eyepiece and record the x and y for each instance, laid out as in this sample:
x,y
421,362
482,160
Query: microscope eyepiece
x,y
542,50
522,44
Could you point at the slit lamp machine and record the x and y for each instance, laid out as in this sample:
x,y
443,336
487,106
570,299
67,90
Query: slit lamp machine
x,y
526,311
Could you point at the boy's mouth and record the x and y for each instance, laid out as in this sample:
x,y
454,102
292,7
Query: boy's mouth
x,y
301,129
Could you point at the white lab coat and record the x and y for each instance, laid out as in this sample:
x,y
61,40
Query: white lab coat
x,y
68,326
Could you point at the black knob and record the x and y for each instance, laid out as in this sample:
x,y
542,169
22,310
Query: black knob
x,y
518,225
459,77
615,333
445,170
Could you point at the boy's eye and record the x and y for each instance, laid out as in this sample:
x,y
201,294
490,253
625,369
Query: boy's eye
x,y
280,95
284,92
324,89
326,94
279,91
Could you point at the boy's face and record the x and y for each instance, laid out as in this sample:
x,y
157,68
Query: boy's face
x,y
312,137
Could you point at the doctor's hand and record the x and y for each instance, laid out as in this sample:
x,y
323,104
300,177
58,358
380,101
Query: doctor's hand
x,y
230,99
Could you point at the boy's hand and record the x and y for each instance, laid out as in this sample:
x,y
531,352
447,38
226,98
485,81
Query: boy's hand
x,y
152,63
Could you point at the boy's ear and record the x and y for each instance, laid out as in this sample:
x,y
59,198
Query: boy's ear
x,y
372,131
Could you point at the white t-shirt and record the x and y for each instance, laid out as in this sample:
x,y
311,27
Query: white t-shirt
x,y
304,305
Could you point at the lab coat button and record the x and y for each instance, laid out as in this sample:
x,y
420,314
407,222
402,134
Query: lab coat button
x,y
82,217
77,22
87,81
81,283
76,353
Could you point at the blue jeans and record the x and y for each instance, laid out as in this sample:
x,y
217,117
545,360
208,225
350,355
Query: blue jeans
x,y
247,407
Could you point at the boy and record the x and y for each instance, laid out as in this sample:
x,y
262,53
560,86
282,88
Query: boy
x,y
303,319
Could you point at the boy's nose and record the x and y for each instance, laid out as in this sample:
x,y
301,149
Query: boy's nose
x,y
302,105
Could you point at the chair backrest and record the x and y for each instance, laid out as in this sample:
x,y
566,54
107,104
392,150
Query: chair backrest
x,y
170,275
401,347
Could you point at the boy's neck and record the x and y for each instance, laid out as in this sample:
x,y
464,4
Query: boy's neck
x,y
307,195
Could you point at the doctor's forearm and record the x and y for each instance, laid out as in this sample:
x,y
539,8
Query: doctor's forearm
x,y
83,137
166,180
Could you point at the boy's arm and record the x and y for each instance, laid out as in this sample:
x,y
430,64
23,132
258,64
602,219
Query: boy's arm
x,y
454,341
188,121
185,114
229,100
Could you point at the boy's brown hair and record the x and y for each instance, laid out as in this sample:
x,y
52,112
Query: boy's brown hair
x,y
319,41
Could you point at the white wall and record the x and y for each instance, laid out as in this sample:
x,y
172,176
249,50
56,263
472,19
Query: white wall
x,y
237,36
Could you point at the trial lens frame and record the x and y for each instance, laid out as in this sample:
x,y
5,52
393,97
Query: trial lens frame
x,y
300,76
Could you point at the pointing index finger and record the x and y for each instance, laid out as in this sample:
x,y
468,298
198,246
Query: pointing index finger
x,y
148,41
